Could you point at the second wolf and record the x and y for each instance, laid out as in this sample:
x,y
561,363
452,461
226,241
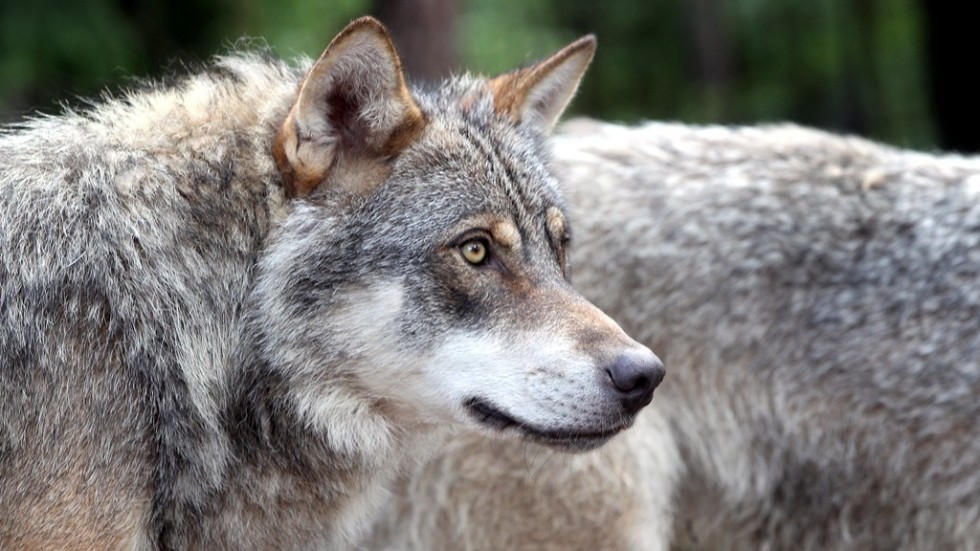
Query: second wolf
x,y
818,300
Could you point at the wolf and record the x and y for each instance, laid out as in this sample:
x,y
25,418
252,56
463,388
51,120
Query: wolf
x,y
235,306
817,298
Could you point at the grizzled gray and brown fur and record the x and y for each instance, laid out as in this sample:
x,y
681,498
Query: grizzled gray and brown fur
x,y
233,307
817,299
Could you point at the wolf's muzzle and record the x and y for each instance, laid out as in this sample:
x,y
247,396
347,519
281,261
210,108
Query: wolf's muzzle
x,y
634,376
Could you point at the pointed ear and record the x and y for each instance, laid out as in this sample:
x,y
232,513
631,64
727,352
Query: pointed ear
x,y
539,93
353,104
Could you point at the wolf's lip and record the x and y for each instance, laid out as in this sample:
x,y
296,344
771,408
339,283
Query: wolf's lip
x,y
491,416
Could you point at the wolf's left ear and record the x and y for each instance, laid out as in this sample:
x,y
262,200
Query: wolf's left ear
x,y
353,108
538,94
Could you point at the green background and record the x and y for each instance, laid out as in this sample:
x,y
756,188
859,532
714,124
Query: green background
x,y
848,65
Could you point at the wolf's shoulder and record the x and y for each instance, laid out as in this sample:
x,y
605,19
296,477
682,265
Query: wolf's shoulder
x,y
148,188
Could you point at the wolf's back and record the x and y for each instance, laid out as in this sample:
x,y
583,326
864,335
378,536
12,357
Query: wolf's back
x,y
817,300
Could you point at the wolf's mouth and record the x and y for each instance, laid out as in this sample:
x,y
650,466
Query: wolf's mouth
x,y
568,439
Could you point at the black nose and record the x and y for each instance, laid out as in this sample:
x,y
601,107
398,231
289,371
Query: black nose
x,y
635,376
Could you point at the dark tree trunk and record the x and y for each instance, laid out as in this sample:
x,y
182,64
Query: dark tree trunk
x,y
424,31
713,48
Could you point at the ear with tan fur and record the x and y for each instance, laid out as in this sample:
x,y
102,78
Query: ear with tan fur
x,y
539,93
353,106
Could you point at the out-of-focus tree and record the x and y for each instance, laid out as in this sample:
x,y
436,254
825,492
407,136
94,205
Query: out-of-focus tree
x,y
838,64
862,66
424,32
52,50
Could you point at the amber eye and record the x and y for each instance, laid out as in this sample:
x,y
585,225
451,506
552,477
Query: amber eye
x,y
474,251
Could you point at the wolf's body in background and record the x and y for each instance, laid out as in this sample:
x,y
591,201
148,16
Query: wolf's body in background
x,y
234,307
817,300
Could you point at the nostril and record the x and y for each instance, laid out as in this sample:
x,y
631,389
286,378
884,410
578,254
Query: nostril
x,y
642,382
635,376
624,378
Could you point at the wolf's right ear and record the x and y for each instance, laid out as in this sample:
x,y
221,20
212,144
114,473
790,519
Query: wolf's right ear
x,y
353,103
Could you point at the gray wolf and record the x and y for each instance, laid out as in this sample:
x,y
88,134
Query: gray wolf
x,y
235,306
817,299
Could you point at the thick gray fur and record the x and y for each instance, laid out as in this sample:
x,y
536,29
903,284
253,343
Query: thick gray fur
x,y
192,358
816,300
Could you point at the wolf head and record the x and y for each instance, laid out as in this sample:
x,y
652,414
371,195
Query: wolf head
x,y
421,272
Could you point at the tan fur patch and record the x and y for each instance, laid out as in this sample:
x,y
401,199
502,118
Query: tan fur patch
x,y
411,127
555,222
357,174
505,233
594,331
295,180
511,91
558,230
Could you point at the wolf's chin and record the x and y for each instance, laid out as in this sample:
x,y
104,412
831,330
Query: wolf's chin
x,y
568,439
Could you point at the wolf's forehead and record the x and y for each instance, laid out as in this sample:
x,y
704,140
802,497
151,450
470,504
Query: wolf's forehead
x,y
464,168
492,153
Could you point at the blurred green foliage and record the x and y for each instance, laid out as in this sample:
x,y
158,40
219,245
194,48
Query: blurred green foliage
x,y
838,64
848,65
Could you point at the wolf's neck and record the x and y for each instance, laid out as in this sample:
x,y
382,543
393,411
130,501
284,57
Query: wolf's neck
x,y
295,479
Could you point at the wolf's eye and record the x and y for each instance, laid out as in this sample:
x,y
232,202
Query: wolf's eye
x,y
474,251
